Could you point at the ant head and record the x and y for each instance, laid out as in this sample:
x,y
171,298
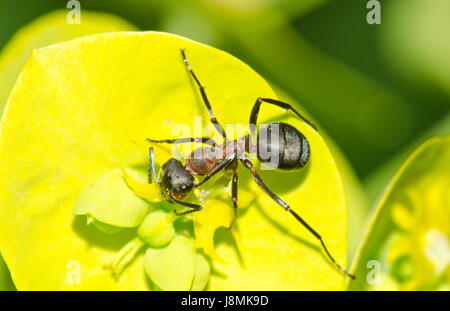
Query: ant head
x,y
176,182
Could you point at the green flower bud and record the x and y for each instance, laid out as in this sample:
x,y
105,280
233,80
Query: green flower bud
x,y
172,267
157,229
403,269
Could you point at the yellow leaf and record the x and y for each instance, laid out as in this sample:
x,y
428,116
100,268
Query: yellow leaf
x,y
75,114
49,29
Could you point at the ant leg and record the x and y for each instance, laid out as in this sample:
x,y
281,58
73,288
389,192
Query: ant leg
x,y
234,194
194,207
257,105
203,140
217,169
248,164
151,166
213,119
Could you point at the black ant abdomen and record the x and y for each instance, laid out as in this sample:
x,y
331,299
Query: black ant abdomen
x,y
282,146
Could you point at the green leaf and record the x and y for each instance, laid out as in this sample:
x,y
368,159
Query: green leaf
x,y
81,108
407,244
5,277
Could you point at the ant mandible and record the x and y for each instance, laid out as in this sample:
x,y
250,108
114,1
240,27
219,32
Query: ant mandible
x,y
176,180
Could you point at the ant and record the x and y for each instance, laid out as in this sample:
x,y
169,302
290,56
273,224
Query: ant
x,y
292,151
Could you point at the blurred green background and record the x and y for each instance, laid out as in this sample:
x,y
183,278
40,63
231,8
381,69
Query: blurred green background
x,y
376,90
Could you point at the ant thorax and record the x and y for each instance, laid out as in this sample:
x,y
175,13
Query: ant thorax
x,y
203,160
237,147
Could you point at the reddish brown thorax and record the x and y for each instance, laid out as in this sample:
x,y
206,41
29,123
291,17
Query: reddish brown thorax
x,y
204,159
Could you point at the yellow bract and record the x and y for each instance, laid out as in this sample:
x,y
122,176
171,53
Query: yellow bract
x,y
150,192
49,29
409,234
216,214
76,113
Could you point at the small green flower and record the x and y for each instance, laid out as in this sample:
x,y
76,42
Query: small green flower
x,y
157,229
171,260
172,267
